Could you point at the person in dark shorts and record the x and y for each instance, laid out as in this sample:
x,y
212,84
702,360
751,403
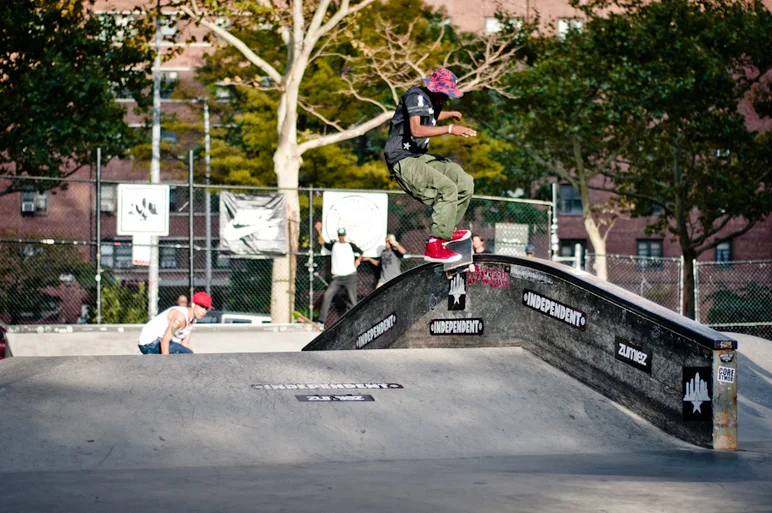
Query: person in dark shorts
x,y
431,179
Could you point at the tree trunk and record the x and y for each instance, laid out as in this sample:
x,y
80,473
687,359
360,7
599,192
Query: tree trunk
x,y
287,167
689,258
598,246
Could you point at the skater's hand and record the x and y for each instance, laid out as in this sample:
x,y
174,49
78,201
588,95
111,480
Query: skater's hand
x,y
455,114
318,226
463,131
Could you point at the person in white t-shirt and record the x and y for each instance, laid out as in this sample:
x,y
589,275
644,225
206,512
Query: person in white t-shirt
x,y
169,332
346,257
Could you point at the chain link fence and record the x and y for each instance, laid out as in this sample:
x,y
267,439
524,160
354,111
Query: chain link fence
x,y
48,243
735,296
657,279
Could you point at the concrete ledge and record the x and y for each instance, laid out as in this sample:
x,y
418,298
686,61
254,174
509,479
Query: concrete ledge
x,y
121,339
660,365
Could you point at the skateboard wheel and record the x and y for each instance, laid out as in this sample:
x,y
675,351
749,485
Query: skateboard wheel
x,y
471,268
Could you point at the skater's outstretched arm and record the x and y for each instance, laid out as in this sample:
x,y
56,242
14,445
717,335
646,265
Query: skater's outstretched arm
x,y
450,114
420,131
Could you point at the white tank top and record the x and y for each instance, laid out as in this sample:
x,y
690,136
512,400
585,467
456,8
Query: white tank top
x,y
156,328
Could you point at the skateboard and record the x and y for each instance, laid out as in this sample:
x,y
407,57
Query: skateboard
x,y
305,320
463,248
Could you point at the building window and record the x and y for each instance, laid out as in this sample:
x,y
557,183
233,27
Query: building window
x,y
168,84
34,203
168,137
122,256
568,249
570,201
116,255
649,251
222,93
108,256
653,210
492,25
107,201
168,257
168,27
724,252
565,25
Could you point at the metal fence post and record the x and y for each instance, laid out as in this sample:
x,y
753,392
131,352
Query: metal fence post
x,y
681,286
554,241
311,253
190,227
577,256
696,292
98,277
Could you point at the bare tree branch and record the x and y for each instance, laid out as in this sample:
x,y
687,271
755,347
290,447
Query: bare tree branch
x,y
236,43
317,114
352,132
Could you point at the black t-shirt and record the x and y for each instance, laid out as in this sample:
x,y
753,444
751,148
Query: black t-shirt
x,y
401,143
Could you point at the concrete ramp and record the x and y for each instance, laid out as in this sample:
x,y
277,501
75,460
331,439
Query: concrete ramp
x,y
483,430
98,413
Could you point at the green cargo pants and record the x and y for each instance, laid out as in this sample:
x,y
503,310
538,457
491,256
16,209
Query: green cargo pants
x,y
439,183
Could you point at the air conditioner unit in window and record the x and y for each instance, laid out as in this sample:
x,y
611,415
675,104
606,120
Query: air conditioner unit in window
x,y
107,205
28,207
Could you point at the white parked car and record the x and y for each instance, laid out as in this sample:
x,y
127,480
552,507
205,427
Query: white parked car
x,y
220,317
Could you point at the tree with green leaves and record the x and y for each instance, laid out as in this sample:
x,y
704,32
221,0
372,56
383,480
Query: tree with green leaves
x,y
30,277
319,58
695,77
60,64
559,125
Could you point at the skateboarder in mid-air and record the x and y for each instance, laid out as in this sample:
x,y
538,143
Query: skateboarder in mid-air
x,y
431,179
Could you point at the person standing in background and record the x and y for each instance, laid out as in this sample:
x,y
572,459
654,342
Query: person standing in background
x,y
346,257
389,260
478,244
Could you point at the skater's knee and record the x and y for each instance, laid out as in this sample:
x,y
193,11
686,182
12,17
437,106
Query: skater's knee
x,y
465,185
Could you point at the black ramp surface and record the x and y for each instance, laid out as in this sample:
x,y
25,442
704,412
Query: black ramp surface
x,y
483,430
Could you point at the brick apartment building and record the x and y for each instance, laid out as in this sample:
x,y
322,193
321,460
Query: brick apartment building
x,y
69,214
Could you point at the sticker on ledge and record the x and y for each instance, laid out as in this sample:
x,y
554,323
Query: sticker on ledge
x,y
697,389
322,386
726,374
555,309
350,398
376,331
726,357
457,293
456,327
632,354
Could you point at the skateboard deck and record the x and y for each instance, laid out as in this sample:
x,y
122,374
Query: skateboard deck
x,y
463,248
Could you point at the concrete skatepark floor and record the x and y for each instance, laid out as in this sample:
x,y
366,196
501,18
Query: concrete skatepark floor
x,y
473,430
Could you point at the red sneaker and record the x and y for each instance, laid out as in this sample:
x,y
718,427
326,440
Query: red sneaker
x,y
460,235
437,252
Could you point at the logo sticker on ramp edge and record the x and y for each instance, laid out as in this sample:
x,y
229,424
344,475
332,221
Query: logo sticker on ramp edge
x,y
376,331
726,357
697,390
456,327
493,276
726,374
457,293
632,354
555,309
329,386
349,398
